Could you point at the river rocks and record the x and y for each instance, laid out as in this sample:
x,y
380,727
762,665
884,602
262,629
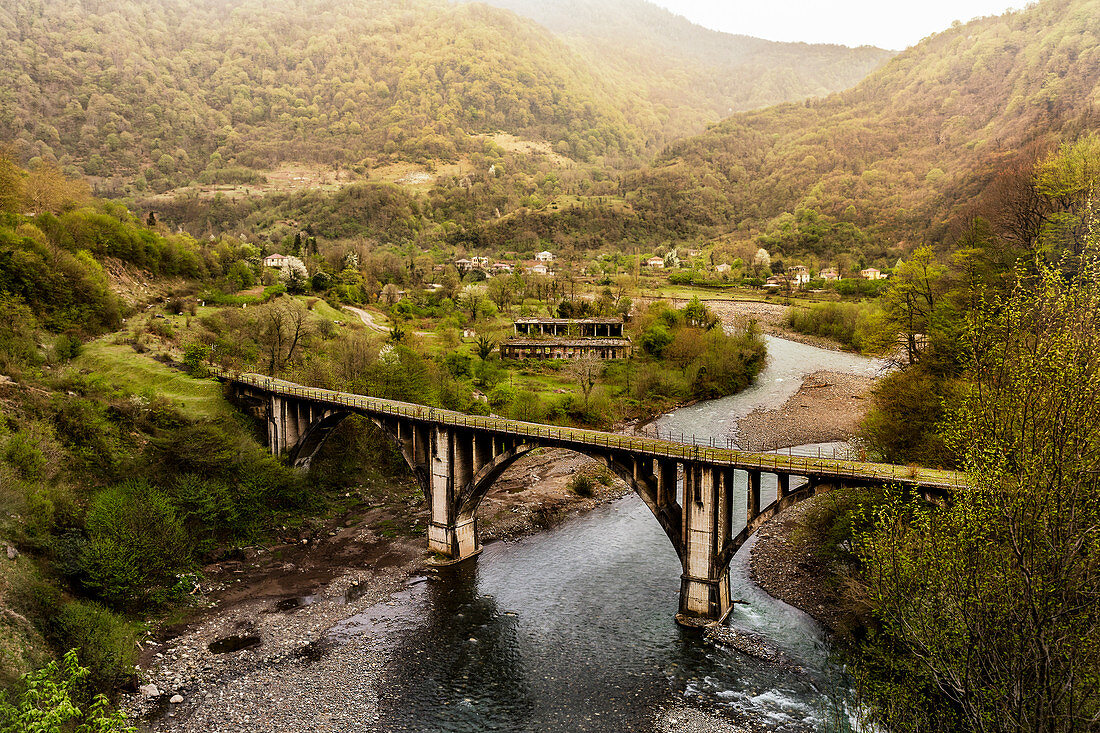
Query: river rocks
x,y
149,691
12,552
681,719
176,699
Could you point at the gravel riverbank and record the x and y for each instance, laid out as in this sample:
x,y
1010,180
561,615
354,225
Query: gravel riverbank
x,y
829,406
256,655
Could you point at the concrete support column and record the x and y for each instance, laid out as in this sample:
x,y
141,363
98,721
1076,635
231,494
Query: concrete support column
x,y
666,482
274,427
450,458
754,495
704,585
784,482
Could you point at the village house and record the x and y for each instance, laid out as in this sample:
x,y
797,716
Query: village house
x,y
479,262
829,274
871,273
656,263
544,256
501,268
463,265
539,268
799,275
286,265
724,267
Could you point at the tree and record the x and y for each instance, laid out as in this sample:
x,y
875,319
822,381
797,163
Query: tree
x,y
484,345
283,325
995,595
500,292
912,299
586,370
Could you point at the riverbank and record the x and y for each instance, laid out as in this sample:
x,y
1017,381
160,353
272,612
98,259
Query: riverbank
x,y
255,654
828,407
771,317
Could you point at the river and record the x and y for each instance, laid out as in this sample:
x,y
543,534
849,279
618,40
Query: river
x,y
572,629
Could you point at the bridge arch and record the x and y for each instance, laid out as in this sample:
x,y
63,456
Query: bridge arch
x,y
468,497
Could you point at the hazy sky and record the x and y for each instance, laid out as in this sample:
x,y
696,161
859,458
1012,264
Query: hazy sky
x,y
883,23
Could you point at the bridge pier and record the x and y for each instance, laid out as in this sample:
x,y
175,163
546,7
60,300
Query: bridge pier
x,y
707,532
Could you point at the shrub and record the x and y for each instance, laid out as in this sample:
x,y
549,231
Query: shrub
x,y
582,484
51,702
136,546
103,639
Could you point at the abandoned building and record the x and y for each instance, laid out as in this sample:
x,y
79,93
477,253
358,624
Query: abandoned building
x,y
567,338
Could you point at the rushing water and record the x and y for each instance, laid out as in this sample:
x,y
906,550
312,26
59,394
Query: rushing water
x,y
572,629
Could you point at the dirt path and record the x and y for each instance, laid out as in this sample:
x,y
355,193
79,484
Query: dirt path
x,y
368,319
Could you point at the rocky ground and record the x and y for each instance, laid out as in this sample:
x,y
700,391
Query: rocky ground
x,y
827,407
790,571
255,654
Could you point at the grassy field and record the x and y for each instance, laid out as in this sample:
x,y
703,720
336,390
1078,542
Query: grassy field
x,y
120,365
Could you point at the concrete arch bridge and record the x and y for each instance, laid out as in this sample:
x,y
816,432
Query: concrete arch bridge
x,y
457,457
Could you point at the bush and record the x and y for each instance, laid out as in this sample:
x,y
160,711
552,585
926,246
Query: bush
x,y
850,324
582,485
52,701
105,640
136,547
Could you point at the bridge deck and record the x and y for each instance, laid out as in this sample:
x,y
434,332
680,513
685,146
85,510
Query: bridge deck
x,y
581,438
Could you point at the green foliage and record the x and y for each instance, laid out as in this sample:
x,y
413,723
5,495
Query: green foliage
x,y
855,326
50,703
582,484
106,641
136,546
833,176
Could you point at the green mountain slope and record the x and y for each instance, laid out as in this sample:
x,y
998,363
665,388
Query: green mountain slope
x,y
155,90
893,159
691,73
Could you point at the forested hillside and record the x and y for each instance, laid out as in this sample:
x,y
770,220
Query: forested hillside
x,y
693,74
165,92
161,91
892,160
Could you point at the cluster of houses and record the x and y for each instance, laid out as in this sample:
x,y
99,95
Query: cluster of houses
x,y
567,338
541,265
799,275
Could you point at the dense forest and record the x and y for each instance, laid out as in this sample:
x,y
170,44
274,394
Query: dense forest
x,y
977,612
897,158
694,74
158,93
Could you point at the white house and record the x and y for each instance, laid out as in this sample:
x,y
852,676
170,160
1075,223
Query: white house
x,y
286,265
799,275
656,263
479,262
539,269
544,256
829,274
724,267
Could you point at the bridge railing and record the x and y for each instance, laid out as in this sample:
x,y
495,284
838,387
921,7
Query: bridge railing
x,y
707,451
